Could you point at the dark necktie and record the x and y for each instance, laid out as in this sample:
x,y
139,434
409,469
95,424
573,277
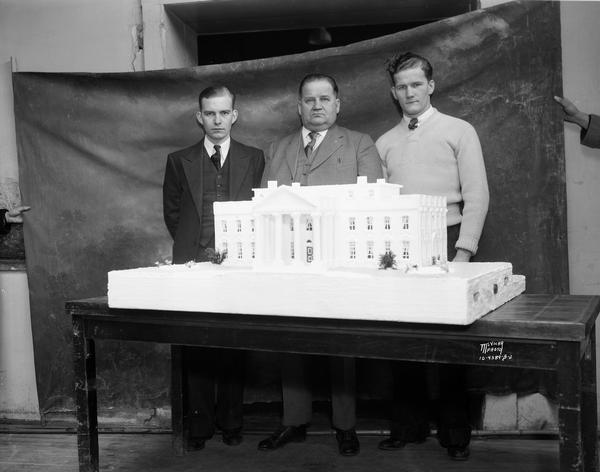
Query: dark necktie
x,y
313,135
413,123
216,157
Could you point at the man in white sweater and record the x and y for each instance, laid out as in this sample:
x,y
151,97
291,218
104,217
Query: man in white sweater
x,y
432,153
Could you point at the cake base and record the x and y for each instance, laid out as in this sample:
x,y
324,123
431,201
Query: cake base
x,y
460,296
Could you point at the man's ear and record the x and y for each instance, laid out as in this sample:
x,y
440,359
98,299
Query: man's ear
x,y
199,117
234,114
431,86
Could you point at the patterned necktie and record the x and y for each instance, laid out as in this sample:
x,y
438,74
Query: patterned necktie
x,y
413,123
309,149
216,157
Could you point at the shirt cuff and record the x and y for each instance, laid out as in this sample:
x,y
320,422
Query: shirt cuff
x,y
469,244
591,136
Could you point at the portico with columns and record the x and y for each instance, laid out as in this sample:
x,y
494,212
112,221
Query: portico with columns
x,y
289,232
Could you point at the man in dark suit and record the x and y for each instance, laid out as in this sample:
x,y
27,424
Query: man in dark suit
x,y
320,153
217,168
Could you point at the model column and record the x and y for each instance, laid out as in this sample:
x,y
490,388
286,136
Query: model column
x,y
259,240
278,235
317,239
297,239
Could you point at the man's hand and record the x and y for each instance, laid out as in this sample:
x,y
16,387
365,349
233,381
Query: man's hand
x,y
16,214
462,255
572,113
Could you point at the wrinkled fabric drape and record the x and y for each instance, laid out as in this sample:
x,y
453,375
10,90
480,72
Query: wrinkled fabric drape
x,y
92,152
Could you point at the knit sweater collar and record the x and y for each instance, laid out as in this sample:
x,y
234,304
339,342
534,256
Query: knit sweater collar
x,y
422,117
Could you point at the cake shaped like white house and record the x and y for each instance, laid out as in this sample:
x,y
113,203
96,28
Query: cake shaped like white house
x,y
314,251
331,226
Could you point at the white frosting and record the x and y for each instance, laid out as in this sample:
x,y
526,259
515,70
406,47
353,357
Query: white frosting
x,y
460,296
314,251
320,227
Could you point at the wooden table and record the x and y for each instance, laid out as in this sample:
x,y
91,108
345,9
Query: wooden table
x,y
546,332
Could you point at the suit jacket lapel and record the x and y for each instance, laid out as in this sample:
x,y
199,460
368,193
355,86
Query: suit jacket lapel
x,y
239,165
331,143
193,165
293,153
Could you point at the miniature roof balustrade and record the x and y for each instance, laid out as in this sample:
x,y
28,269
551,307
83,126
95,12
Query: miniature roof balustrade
x,y
361,196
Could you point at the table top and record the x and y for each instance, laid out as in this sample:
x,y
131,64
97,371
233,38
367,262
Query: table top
x,y
530,316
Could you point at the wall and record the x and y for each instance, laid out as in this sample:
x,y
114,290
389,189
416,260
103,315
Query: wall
x,y
581,83
62,35
102,36
18,392
168,42
65,36
69,35
580,37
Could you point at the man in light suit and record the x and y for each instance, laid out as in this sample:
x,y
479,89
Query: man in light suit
x,y
217,168
320,153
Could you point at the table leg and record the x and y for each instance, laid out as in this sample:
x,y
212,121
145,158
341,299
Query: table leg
x,y
569,408
179,438
85,393
589,421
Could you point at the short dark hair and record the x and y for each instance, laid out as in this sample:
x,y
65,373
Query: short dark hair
x,y
216,91
408,60
314,77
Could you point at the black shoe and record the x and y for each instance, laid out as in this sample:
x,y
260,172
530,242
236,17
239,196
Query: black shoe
x,y
348,444
232,437
195,444
459,453
391,444
283,435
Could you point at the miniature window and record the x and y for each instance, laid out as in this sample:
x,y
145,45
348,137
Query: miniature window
x,y
352,246
240,253
405,250
405,222
253,249
224,226
388,246
309,225
371,193
370,246
292,250
224,246
291,224
238,224
369,223
387,223
350,193
252,225
352,223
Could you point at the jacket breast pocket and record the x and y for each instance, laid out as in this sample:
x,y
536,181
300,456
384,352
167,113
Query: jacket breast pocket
x,y
344,162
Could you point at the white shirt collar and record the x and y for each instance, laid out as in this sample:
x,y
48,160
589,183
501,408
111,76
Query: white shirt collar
x,y
225,145
306,139
423,116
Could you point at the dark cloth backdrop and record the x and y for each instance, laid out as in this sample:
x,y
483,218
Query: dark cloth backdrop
x,y
92,152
